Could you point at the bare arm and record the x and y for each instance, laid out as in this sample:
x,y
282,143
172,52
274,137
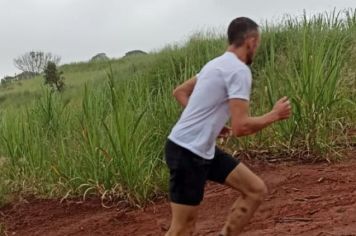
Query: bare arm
x,y
183,91
243,124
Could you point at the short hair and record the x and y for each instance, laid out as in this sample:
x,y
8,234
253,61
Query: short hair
x,y
239,29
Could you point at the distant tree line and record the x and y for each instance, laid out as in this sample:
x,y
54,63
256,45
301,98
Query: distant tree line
x,y
35,62
21,76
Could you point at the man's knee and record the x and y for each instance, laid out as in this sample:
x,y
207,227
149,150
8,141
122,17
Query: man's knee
x,y
190,220
257,191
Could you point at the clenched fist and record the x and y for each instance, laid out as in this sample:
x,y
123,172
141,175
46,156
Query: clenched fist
x,y
282,109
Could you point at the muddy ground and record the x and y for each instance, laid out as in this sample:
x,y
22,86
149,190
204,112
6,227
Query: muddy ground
x,y
309,199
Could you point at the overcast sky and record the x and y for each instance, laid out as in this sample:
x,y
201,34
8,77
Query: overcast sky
x,y
78,29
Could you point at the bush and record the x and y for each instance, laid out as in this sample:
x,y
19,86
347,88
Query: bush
x,y
53,77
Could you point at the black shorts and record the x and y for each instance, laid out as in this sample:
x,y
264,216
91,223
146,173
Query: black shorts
x,y
189,172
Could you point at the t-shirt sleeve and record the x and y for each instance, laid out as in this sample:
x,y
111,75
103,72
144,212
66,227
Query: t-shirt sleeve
x,y
238,84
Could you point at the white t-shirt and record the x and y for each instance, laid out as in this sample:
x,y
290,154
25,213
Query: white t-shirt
x,y
207,111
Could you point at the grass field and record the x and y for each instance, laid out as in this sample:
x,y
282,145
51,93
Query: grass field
x,y
105,133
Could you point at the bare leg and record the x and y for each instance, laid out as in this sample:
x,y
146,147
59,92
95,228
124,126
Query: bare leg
x,y
252,190
183,220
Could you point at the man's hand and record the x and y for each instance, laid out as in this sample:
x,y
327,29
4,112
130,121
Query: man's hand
x,y
243,124
183,91
282,109
225,132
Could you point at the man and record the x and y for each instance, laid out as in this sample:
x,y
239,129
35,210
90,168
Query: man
x,y
221,90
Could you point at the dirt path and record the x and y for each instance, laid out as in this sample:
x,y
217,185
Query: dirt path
x,y
309,200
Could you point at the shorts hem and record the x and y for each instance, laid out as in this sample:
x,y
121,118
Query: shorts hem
x,y
184,202
222,180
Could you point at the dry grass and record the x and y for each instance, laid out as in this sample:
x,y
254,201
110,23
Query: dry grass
x,y
3,230
2,161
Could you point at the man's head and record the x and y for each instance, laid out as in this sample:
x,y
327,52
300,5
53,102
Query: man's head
x,y
243,33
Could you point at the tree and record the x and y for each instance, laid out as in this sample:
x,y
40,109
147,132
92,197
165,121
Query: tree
x,y
35,62
53,77
7,80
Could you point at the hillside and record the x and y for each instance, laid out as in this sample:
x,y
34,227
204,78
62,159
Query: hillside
x,y
104,136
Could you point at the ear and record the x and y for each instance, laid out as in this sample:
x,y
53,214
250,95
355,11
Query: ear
x,y
250,42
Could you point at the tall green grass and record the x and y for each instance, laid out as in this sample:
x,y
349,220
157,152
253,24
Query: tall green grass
x,y
105,135
304,60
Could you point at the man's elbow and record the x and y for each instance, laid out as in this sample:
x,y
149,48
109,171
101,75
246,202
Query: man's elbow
x,y
241,130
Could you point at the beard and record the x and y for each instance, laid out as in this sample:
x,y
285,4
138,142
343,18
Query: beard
x,y
249,58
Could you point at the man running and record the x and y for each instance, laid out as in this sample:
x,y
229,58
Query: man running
x,y
221,90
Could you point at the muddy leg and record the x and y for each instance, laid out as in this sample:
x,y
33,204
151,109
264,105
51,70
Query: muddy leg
x,y
183,220
253,191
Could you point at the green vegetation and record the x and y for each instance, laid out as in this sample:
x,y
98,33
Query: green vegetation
x,y
105,133
53,77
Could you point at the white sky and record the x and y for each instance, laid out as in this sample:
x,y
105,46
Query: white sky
x,y
78,29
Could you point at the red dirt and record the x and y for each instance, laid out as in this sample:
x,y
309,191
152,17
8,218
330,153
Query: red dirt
x,y
309,200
